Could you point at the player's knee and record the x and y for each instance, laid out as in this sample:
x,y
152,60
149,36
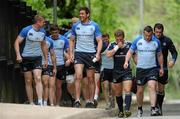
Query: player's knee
x,y
28,81
91,81
51,86
45,84
117,92
38,79
79,77
106,88
152,87
127,91
140,91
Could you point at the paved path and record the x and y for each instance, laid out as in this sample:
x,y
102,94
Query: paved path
x,y
171,110
21,111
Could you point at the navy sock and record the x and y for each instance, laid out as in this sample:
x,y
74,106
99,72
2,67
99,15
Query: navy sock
x,y
160,99
128,99
140,108
119,101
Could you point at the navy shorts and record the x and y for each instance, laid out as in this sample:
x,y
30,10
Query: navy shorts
x,y
164,79
61,73
107,75
48,71
70,69
97,66
31,63
121,75
45,71
144,75
85,58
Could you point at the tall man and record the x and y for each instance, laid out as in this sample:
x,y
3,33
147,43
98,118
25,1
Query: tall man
x,y
30,58
167,45
147,48
122,78
84,35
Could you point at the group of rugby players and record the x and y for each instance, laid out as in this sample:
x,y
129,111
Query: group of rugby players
x,y
84,54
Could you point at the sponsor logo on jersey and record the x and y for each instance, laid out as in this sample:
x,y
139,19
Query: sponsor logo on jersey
x,y
164,44
30,34
140,43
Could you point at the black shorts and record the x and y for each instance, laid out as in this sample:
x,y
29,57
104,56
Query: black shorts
x,y
121,75
61,74
85,58
70,69
107,75
31,63
48,71
45,71
97,66
164,79
144,75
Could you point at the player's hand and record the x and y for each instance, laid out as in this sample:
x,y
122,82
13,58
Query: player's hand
x,y
19,59
161,72
67,63
125,65
98,57
45,64
171,64
54,71
120,44
71,57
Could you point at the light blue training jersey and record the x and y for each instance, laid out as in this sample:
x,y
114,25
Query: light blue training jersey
x,y
33,39
60,45
85,35
50,46
146,51
107,62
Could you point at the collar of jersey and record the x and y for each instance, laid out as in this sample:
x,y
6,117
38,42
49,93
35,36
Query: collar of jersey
x,y
86,23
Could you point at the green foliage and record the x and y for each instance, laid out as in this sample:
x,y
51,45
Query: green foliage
x,y
41,8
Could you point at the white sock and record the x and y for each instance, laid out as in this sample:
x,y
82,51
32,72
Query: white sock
x,y
77,100
87,101
45,102
40,101
95,96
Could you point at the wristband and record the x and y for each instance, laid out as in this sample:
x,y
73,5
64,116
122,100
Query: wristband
x,y
94,59
116,48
